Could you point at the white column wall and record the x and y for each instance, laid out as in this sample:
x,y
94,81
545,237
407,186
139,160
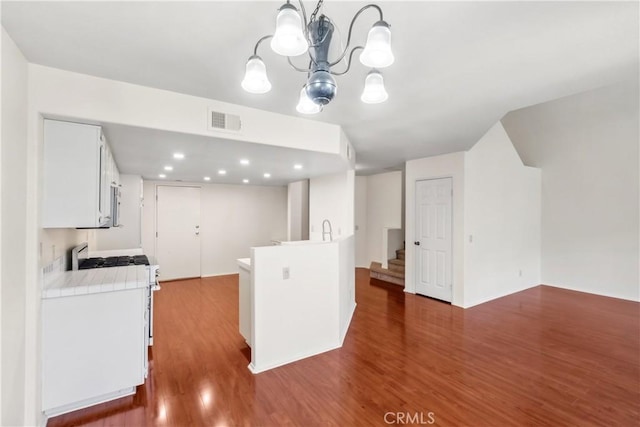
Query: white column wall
x,y
501,220
16,334
298,210
384,211
361,248
332,197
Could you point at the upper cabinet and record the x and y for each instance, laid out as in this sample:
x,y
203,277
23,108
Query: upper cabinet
x,y
78,174
113,175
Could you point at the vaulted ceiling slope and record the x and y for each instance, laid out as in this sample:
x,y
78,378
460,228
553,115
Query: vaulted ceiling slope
x,y
460,66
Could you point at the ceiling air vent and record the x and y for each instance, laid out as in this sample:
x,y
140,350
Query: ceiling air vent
x,y
224,122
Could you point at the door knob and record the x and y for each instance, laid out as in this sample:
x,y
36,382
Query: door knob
x,y
416,243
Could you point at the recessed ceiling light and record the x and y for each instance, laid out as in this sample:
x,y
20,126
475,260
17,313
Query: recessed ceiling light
x,y
168,168
246,181
178,156
244,162
222,172
207,178
162,175
267,175
297,166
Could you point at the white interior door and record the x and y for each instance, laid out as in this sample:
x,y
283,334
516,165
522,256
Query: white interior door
x,y
433,242
178,232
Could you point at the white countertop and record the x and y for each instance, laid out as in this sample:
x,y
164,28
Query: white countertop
x,y
96,280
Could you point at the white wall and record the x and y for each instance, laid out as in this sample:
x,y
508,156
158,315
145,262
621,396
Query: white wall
x,y
233,219
447,165
587,148
501,220
384,210
128,235
13,235
298,210
394,241
332,197
87,98
361,249
346,284
309,312
60,241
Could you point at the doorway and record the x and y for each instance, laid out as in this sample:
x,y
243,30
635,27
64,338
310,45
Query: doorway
x,y
178,231
433,243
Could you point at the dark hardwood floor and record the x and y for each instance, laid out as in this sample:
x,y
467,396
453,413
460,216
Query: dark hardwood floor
x,y
545,356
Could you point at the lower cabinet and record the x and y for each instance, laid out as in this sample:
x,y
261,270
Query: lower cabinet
x,y
94,348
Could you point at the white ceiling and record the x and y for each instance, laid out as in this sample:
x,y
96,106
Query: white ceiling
x,y
460,66
146,152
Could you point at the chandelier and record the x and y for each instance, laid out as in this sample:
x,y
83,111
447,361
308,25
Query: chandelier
x,y
295,36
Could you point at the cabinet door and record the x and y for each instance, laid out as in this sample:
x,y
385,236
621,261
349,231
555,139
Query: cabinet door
x,y
116,173
103,184
72,159
93,345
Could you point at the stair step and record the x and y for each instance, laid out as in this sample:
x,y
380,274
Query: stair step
x,y
377,272
396,261
400,254
397,268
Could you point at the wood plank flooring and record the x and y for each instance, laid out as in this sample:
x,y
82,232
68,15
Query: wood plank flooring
x,y
545,356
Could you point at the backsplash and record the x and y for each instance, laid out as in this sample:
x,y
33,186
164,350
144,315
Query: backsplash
x,y
53,270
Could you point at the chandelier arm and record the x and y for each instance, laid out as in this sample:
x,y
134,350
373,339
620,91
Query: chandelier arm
x,y
304,19
346,48
302,70
255,49
349,64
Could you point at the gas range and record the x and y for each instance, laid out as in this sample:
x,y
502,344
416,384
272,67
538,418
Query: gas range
x,y
112,261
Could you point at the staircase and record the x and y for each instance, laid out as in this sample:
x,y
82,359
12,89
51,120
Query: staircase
x,y
393,274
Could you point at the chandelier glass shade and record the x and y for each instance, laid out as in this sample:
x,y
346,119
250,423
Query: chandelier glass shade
x,y
377,52
306,105
289,39
295,35
255,76
374,91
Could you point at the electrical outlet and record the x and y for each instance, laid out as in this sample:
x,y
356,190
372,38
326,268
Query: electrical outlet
x,y
470,238
520,273
285,273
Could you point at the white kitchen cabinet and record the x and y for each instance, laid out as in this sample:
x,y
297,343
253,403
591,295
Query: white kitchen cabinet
x,y
113,175
94,348
77,181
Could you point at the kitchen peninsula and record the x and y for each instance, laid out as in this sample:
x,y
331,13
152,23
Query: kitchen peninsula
x,y
296,300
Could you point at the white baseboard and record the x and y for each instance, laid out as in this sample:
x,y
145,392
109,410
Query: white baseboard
x,y
256,370
343,333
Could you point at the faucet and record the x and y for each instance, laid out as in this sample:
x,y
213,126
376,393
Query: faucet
x,y
330,232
